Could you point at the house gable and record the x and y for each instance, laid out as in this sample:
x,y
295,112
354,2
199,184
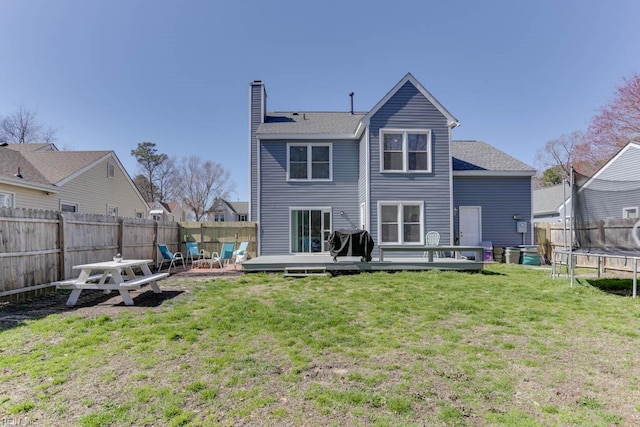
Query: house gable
x,y
409,79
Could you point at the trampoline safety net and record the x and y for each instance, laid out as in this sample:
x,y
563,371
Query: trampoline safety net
x,y
606,215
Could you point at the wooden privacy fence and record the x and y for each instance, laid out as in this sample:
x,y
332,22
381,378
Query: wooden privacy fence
x,y
608,233
211,235
40,247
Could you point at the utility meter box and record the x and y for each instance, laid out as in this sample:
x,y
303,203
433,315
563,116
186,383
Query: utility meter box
x,y
521,226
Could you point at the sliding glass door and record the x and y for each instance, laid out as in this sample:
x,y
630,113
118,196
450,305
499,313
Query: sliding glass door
x,y
310,229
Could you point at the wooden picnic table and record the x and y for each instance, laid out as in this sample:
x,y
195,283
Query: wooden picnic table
x,y
112,275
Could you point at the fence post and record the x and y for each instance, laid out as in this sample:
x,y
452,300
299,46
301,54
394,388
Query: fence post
x,y
121,236
62,245
156,227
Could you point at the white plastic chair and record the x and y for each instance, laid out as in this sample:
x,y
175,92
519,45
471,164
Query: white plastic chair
x,y
432,238
240,255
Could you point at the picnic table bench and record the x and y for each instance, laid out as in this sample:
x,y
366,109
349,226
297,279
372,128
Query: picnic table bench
x,y
113,275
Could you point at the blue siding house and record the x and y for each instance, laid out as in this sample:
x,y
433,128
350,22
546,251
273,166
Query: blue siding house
x,y
393,171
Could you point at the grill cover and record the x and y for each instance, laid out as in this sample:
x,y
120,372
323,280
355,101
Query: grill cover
x,y
351,243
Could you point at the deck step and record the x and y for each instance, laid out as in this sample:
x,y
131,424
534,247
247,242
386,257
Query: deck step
x,y
305,271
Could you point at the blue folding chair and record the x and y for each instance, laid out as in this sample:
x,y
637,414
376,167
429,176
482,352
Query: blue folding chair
x,y
226,253
193,252
167,255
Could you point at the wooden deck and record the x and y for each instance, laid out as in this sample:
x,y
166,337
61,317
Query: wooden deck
x,y
346,265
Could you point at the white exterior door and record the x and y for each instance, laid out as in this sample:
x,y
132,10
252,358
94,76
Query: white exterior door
x,y
470,218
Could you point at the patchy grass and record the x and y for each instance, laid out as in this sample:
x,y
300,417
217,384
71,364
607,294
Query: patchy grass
x,y
509,346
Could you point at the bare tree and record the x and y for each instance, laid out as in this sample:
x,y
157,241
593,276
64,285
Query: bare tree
x,y
22,126
202,184
557,156
167,182
144,187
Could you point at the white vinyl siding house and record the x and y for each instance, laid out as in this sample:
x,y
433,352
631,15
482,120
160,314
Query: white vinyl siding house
x,y
72,181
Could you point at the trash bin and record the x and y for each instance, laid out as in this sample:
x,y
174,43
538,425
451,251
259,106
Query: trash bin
x,y
530,255
512,255
498,254
487,251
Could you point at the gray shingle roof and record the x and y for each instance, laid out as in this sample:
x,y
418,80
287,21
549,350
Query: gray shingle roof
x,y
310,123
58,165
240,207
43,166
547,200
480,156
11,160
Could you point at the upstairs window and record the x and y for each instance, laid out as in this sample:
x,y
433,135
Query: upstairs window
x,y
309,162
405,150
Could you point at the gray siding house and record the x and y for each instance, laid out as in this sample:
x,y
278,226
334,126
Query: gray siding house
x,y
614,190
393,171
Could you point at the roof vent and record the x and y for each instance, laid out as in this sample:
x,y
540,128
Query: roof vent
x,y
19,175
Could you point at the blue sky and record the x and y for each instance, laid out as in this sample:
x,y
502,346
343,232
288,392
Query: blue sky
x,y
111,74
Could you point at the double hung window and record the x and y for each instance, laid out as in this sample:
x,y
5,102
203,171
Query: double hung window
x,y
309,162
401,222
405,150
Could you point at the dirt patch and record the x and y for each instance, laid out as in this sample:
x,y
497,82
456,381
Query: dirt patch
x,y
92,303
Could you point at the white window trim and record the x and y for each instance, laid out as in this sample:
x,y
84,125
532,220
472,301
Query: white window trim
x,y
400,221
110,207
405,150
63,202
13,198
309,163
630,208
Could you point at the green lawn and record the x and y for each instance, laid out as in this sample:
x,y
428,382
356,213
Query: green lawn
x,y
509,346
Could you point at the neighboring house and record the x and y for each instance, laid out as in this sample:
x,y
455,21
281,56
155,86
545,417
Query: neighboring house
x,y
38,176
166,211
548,202
229,211
614,190
393,171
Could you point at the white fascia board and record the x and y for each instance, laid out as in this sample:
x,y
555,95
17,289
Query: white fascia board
x,y
305,136
18,182
494,173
